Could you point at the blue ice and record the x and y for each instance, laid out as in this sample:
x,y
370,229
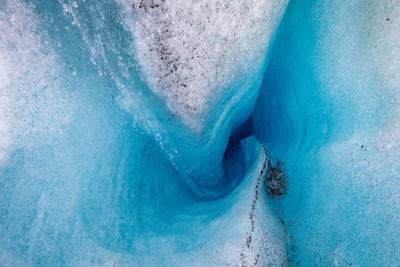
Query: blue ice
x,y
146,132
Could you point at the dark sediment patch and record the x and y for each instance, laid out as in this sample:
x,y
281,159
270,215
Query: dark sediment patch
x,y
275,183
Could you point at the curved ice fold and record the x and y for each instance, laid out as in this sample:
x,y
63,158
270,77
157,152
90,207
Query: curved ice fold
x,y
243,230
185,53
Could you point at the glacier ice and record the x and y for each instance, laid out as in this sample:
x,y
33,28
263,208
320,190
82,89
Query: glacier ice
x,y
329,108
143,132
97,166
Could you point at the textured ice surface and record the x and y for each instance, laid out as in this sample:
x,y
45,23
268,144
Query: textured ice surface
x,y
107,158
191,52
30,102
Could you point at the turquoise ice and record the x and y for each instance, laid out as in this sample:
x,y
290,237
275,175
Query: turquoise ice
x,y
142,133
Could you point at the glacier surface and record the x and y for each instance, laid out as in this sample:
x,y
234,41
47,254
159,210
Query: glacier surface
x,y
144,132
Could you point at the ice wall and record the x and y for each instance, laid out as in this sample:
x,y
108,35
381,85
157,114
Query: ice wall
x,y
329,107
